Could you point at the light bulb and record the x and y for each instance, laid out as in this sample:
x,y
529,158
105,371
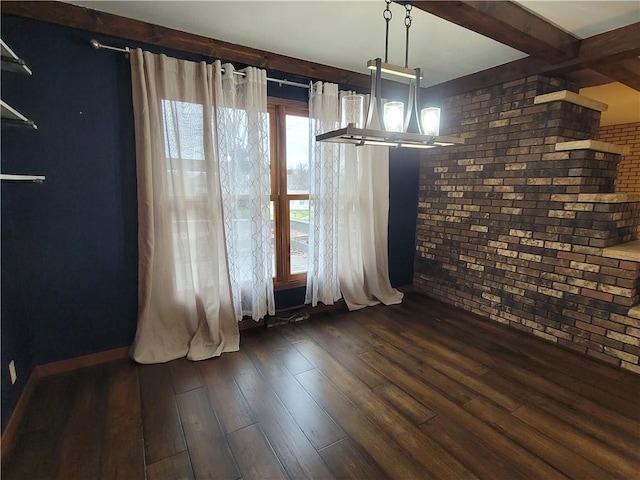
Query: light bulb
x,y
430,120
394,116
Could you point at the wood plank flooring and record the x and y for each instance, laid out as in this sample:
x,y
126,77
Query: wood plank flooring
x,y
413,391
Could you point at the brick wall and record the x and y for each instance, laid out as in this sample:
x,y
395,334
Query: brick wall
x,y
513,230
628,177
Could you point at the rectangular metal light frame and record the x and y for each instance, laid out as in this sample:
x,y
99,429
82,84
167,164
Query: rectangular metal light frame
x,y
364,136
368,136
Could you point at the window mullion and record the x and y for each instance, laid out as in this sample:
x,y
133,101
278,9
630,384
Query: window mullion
x,y
284,260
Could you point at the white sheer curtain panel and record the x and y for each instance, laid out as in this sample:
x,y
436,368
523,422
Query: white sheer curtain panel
x,y
324,159
363,260
243,143
352,215
186,306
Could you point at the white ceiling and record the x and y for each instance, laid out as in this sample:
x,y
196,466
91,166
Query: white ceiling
x,y
346,34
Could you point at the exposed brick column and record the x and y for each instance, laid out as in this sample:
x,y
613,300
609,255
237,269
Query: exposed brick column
x,y
513,229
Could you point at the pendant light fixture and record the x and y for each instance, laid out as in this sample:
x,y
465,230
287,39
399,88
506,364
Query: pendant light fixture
x,y
394,118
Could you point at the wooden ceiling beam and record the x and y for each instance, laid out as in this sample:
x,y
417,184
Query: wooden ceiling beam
x,y
619,44
135,30
513,25
624,72
632,65
510,24
616,45
587,78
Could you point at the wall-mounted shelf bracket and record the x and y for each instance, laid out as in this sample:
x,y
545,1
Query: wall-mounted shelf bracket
x,y
11,62
10,116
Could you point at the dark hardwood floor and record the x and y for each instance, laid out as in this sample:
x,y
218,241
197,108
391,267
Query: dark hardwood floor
x,y
418,390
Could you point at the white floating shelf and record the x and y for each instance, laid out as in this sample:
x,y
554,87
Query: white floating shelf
x,y
11,116
593,145
22,178
11,62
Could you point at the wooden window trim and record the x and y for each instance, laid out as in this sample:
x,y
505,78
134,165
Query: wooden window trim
x,y
278,110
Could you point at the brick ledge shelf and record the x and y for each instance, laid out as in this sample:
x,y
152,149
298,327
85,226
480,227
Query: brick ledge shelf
x,y
596,197
608,197
594,145
625,251
571,97
634,312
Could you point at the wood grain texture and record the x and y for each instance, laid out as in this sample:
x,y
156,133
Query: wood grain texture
x,y
312,420
529,464
601,454
123,445
624,71
163,435
625,438
388,455
471,450
185,375
49,407
348,462
256,458
209,450
226,399
454,396
344,356
35,455
36,450
422,449
176,467
76,363
558,455
404,403
79,458
298,456
509,24
9,435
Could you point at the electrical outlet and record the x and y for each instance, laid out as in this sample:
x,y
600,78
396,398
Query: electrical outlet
x,y
12,372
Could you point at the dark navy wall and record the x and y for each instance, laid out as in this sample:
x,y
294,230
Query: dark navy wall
x,y
404,176
69,246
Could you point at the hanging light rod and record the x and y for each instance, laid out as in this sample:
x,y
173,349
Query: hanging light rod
x,y
100,46
392,117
